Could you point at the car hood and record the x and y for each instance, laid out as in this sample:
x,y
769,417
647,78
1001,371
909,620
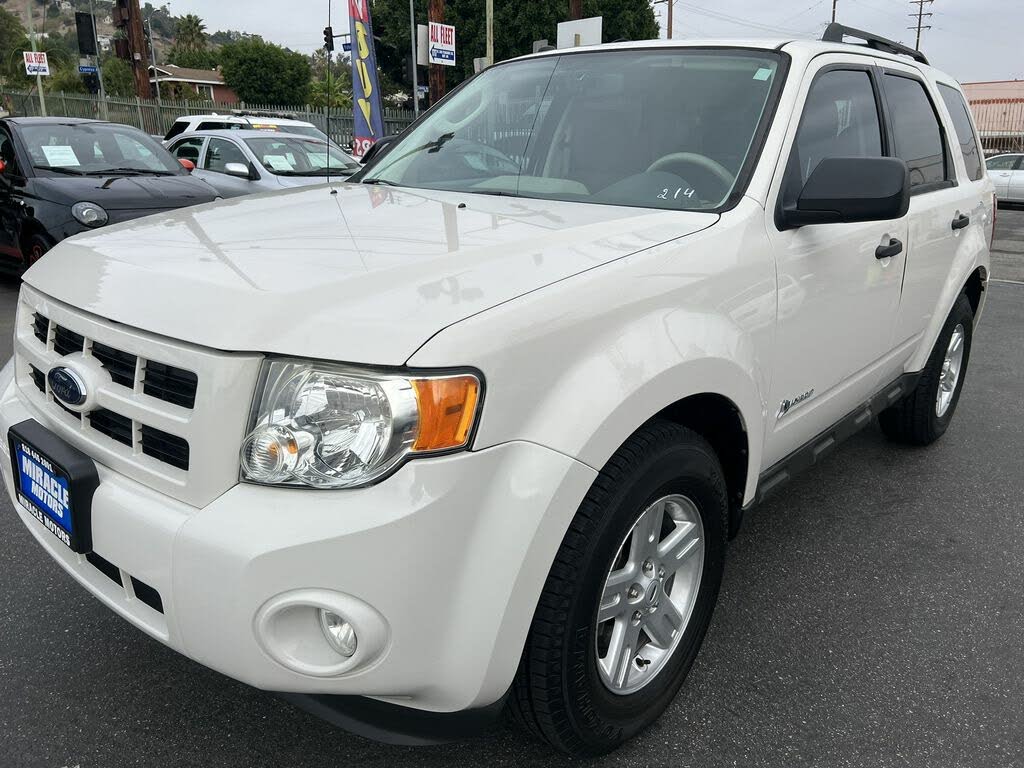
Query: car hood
x,y
126,193
365,275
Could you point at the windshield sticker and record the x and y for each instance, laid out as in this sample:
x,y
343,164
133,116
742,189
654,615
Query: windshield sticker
x,y
278,163
680,192
764,73
60,157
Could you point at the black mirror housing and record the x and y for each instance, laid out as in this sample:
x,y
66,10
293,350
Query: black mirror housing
x,y
378,149
852,189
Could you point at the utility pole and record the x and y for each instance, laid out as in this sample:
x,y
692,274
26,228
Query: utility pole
x,y
39,78
415,58
490,32
921,16
435,13
834,4
575,9
96,45
156,76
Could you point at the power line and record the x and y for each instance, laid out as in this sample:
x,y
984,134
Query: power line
x,y
921,16
736,20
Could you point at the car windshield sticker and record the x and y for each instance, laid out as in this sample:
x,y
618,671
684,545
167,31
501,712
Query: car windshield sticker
x,y
60,156
764,73
277,163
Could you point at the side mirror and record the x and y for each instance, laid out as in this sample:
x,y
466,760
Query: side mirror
x,y
241,170
187,164
379,149
851,189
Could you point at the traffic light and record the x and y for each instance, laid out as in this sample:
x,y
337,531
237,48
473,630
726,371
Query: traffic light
x,y
328,39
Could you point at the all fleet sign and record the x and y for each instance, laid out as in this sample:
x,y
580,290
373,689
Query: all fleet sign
x,y
36,63
442,44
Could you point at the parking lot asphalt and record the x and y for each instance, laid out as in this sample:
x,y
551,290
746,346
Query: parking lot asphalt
x,y
871,615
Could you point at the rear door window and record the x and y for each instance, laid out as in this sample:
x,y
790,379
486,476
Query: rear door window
x,y
964,131
916,130
188,149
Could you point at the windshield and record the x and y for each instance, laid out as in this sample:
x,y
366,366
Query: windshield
x,y
89,149
304,130
660,129
300,157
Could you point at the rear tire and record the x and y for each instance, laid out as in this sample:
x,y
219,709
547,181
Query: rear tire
x,y
560,693
923,416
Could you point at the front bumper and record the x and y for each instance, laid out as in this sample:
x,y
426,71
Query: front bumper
x,y
451,554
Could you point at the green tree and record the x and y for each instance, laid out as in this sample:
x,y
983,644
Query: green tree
x,y
264,73
190,33
64,79
196,58
118,79
13,41
516,26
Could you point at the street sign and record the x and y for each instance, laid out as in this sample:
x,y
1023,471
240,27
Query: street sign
x,y
36,63
346,46
442,44
86,70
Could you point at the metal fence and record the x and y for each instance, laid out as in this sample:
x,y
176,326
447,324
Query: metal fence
x,y
1001,124
156,119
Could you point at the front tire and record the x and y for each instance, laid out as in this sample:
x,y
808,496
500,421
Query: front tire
x,y
630,595
923,416
35,248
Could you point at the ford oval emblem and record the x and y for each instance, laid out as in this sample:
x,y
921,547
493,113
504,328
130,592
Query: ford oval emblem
x,y
67,386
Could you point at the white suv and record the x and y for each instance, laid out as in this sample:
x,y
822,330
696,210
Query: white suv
x,y
474,433
241,120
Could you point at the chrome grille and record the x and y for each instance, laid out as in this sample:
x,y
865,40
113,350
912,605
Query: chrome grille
x,y
172,414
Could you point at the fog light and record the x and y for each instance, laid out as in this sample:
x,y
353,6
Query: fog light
x,y
339,633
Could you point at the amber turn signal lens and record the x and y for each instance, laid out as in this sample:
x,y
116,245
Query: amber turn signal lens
x,y
447,409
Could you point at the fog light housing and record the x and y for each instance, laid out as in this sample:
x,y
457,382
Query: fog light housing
x,y
341,636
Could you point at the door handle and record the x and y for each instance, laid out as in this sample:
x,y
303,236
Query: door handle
x,y
894,248
961,221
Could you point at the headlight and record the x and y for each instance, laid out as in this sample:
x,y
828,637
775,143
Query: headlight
x,y
332,426
89,214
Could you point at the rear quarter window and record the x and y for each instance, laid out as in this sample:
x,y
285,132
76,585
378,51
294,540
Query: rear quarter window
x,y
965,135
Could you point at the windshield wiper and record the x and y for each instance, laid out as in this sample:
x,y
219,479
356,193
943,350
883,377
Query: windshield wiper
x,y
385,182
137,171
60,169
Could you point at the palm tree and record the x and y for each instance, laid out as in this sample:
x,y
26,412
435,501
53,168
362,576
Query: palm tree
x,y
190,33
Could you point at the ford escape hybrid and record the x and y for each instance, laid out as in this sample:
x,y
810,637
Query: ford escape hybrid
x,y
473,432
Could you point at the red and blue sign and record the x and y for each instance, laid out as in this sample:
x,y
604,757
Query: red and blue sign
x,y
367,106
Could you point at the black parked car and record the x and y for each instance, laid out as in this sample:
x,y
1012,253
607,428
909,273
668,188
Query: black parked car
x,y
60,176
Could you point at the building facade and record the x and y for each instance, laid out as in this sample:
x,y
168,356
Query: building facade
x,y
998,108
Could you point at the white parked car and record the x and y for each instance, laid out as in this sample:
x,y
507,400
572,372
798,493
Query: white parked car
x,y
1007,171
243,162
475,432
241,120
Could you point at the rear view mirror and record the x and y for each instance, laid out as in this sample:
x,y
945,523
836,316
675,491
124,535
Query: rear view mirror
x,y
241,170
187,164
851,189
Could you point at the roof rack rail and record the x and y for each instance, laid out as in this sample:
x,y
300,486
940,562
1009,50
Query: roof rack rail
x,y
834,33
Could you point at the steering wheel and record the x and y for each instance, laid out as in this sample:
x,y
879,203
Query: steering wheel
x,y
707,166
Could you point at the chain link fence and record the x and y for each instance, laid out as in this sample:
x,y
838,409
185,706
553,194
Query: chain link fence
x,y
157,119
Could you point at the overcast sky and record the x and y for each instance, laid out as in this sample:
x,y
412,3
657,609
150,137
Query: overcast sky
x,y
971,39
